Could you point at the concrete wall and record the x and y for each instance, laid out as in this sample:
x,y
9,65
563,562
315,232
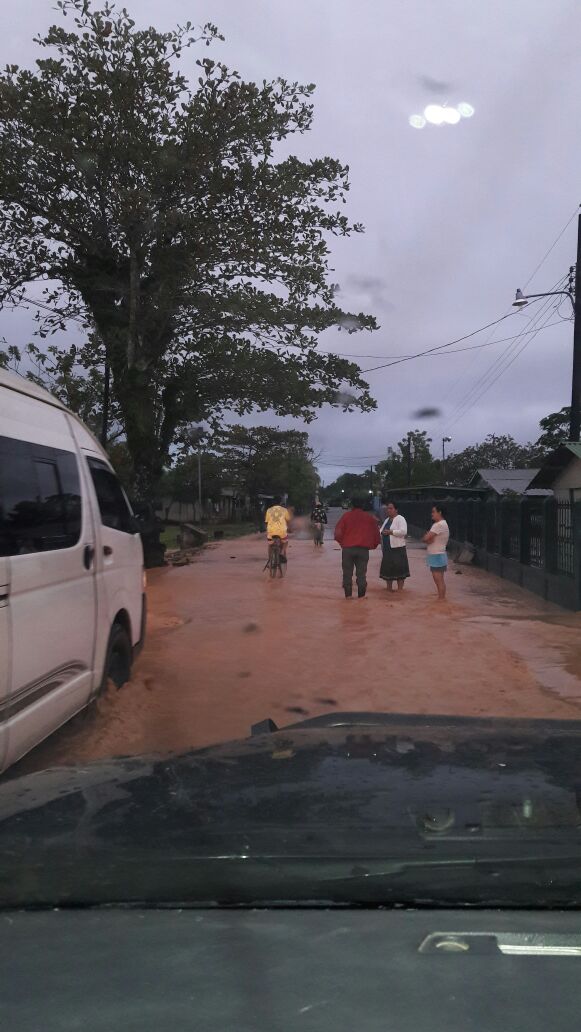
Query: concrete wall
x,y
569,480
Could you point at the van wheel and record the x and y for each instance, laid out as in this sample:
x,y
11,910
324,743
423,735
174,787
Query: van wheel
x,y
119,656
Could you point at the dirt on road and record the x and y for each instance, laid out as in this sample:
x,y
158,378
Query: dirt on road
x,y
227,647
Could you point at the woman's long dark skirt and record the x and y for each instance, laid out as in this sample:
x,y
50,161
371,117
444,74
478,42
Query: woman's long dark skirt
x,y
394,564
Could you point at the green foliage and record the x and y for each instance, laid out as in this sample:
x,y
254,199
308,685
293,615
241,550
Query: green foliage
x,y
347,486
73,374
555,429
159,213
495,452
411,462
253,460
267,460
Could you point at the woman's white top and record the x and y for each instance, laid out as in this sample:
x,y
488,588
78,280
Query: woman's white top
x,y
399,529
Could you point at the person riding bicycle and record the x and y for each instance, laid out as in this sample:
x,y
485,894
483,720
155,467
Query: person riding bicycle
x,y
277,519
319,519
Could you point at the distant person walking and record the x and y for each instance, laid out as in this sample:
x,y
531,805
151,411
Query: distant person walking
x,y
437,541
319,521
357,532
394,564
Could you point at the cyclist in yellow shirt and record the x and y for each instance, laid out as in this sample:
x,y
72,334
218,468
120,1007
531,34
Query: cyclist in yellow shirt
x,y
277,519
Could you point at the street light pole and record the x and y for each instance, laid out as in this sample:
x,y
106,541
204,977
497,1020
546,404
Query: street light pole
x,y
575,427
445,441
574,296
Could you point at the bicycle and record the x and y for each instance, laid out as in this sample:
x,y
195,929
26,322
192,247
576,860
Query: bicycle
x,y
319,535
273,563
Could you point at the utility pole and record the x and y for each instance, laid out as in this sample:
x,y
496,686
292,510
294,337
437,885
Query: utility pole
x,y
371,478
575,428
105,409
409,459
200,481
445,441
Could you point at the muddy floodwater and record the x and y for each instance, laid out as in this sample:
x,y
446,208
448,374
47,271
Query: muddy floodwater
x,y
227,647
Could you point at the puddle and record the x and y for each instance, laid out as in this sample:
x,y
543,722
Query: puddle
x,y
555,663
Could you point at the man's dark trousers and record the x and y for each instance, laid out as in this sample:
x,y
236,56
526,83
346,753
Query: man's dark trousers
x,y
355,558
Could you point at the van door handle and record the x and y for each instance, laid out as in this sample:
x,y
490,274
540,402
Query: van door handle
x,y
88,556
107,550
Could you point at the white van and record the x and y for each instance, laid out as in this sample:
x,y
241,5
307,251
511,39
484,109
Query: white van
x,y
72,598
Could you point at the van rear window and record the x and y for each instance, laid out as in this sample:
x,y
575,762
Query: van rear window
x,y
113,505
40,498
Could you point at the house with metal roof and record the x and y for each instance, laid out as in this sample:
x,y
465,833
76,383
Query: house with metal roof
x,y
561,472
497,482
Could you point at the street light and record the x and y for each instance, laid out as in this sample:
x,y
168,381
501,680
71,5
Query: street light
x,y
573,292
520,299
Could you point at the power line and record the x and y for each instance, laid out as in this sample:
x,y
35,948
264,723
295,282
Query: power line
x,y
501,358
479,387
502,363
430,351
463,376
551,248
442,354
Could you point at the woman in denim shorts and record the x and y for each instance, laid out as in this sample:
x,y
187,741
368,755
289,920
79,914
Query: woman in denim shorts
x,y
437,557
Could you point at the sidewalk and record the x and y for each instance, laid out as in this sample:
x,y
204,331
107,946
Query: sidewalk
x,y
227,647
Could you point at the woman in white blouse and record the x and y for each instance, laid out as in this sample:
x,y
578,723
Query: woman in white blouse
x,y
394,564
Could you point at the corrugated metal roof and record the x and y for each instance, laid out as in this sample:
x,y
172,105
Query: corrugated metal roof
x,y
501,480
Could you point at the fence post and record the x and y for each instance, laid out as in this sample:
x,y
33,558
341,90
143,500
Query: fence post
x,y
576,528
549,534
524,525
500,528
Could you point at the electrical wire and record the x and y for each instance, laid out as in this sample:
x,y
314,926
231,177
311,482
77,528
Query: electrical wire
x,y
531,323
551,248
501,364
440,347
442,354
479,386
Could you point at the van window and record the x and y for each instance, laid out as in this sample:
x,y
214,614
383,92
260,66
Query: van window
x,y
40,500
113,505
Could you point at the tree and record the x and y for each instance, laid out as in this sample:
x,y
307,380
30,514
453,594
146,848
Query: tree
x,y
555,429
413,456
73,374
159,214
267,460
495,452
180,483
347,486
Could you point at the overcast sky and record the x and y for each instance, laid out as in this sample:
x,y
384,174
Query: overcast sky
x,y
456,217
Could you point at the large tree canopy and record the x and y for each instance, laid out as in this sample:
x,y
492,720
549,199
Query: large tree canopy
x,y
163,215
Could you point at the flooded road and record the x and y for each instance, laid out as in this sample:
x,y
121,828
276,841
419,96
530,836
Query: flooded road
x,y
228,647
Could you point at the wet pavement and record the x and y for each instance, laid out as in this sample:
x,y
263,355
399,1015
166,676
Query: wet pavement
x,y
228,647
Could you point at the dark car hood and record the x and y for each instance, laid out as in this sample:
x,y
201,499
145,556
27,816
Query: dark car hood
x,y
341,808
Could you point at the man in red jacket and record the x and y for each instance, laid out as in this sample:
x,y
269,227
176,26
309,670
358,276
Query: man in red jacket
x,y
357,532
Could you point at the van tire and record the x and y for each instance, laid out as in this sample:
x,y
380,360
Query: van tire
x,y
119,657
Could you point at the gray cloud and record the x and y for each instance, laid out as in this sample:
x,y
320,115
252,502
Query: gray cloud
x,y
434,86
456,218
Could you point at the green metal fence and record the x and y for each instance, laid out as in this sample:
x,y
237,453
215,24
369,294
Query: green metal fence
x,y
535,542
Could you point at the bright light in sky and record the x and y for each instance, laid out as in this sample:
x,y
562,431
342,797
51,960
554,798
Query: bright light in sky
x,y
434,114
451,115
438,114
